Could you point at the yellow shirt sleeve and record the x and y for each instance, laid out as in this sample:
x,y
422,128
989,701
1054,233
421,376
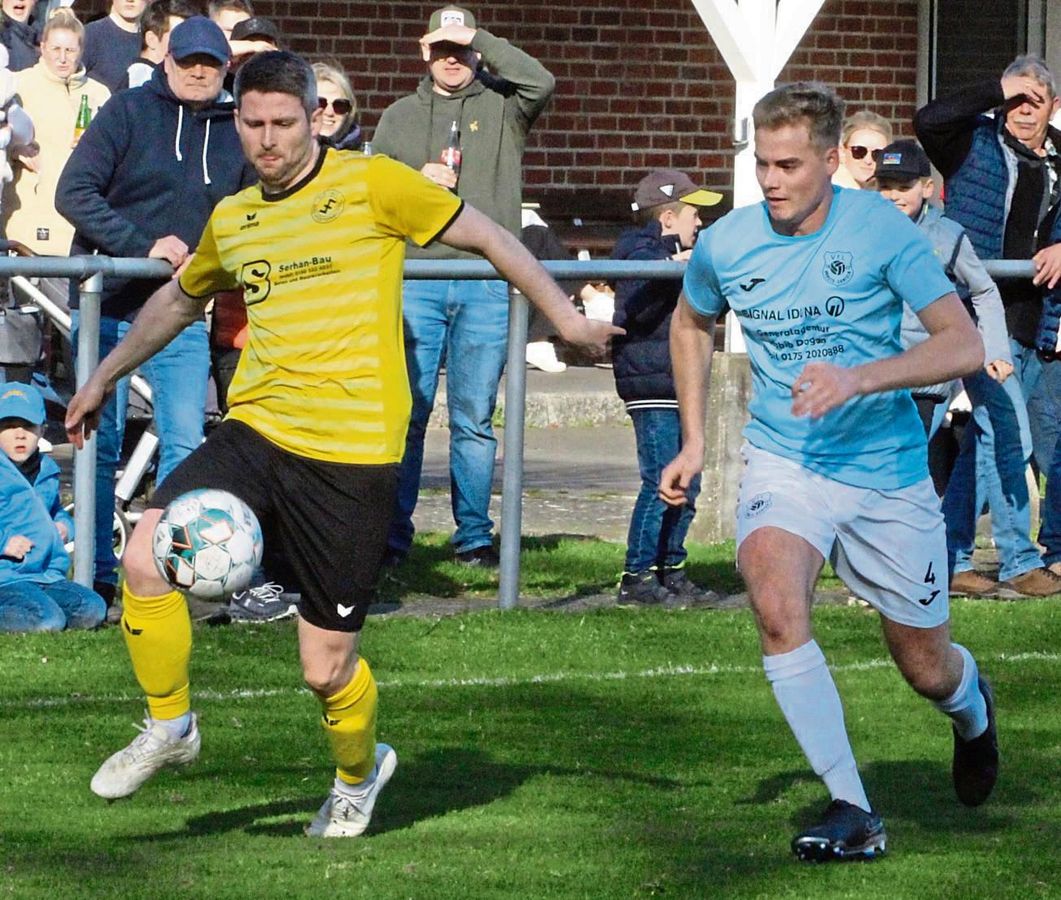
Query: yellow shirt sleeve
x,y
206,274
408,204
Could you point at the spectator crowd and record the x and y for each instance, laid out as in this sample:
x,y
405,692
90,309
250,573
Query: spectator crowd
x,y
119,139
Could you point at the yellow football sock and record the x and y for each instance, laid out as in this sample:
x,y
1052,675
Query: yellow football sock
x,y
350,722
158,633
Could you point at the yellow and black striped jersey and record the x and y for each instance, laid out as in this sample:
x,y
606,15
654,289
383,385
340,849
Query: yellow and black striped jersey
x,y
323,372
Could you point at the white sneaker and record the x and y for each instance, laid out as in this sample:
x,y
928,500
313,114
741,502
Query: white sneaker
x,y
542,355
343,816
155,748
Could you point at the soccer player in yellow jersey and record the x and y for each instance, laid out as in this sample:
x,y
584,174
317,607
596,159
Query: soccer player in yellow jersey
x,y
318,411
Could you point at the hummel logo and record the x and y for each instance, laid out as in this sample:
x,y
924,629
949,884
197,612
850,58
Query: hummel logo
x,y
252,216
133,631
748,285
343,611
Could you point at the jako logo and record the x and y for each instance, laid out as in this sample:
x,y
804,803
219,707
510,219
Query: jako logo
x,y
835,306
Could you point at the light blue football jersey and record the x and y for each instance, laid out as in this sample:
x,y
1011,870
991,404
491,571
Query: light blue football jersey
x,y
834,296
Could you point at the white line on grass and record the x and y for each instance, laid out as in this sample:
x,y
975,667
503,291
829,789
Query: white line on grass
x,y
504,681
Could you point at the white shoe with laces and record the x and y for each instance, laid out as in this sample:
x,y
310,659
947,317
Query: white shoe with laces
x,y
155,748
346,816
265,603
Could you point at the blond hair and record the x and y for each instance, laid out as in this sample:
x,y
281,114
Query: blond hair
x,y
866,119
63,19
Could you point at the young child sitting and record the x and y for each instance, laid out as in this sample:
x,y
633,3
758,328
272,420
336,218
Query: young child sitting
x,y
667,204
35,594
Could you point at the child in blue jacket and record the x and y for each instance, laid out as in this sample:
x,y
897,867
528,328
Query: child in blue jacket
x,y
35,594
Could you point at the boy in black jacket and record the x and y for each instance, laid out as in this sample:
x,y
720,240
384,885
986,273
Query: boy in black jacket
x,y
667,204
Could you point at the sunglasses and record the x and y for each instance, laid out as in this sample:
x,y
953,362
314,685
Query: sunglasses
x,y
857,151
341,107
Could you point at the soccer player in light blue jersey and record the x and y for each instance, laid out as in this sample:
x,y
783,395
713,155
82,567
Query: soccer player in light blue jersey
x,y
835,453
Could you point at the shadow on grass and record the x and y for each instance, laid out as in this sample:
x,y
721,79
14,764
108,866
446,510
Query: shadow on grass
x,y
570,566
435,783
914,792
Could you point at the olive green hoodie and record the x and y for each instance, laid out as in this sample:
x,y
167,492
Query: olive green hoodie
x,y
494,114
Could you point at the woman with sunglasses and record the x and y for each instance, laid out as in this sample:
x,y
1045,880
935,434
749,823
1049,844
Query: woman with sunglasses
x,y
339,128
864,134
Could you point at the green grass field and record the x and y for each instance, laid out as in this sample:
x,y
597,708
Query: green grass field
x,y
612,754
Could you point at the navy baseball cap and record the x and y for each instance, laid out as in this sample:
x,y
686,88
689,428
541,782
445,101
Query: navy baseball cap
x,y
256,28
21,401
199,35
902,160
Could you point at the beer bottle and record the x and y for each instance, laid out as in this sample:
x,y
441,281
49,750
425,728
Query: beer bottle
x,y
84,116
451,155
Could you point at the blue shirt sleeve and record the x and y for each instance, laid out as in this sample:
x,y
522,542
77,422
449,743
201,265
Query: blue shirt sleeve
x,y
701,284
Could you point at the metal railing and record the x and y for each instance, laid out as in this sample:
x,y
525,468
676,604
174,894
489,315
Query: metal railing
x,y
89,270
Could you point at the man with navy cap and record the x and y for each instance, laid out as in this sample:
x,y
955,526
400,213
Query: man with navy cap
x,y
143,181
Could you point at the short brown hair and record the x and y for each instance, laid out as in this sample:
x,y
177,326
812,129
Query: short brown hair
x,y
809,102
652,213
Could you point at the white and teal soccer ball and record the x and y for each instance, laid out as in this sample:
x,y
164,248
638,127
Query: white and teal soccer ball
x,y
208,544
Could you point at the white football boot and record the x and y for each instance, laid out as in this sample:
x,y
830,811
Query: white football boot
x,y
154,749
345,816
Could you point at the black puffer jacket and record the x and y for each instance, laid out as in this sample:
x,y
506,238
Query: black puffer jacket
x,y
641,357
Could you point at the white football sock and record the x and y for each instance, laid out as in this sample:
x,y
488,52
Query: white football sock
x,y
966,707
807,695
356,791
177,727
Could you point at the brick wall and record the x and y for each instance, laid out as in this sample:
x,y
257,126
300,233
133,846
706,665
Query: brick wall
x,y
639,82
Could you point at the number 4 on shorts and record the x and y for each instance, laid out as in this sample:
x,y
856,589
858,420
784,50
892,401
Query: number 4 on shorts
x,y
930,578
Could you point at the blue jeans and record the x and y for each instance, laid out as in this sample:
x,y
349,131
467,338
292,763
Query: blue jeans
x,y
178,376
991,468
28,606
1041,383
657,531
463,324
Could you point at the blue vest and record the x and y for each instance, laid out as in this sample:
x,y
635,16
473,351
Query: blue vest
x,y
1050,320
976,193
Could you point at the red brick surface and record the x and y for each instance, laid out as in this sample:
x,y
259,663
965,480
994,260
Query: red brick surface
x,y
640,83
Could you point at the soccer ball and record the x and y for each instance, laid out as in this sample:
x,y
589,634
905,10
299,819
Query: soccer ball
x,y
207,544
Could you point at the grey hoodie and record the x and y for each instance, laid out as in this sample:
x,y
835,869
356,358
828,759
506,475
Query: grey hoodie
x,y
973,285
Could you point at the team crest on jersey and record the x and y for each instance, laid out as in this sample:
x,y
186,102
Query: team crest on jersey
x,y
759,504
839,267
327,205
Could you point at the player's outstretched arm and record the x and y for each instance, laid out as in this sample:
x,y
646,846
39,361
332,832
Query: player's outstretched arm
x,y
472,230
953,349
692,345
166,313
